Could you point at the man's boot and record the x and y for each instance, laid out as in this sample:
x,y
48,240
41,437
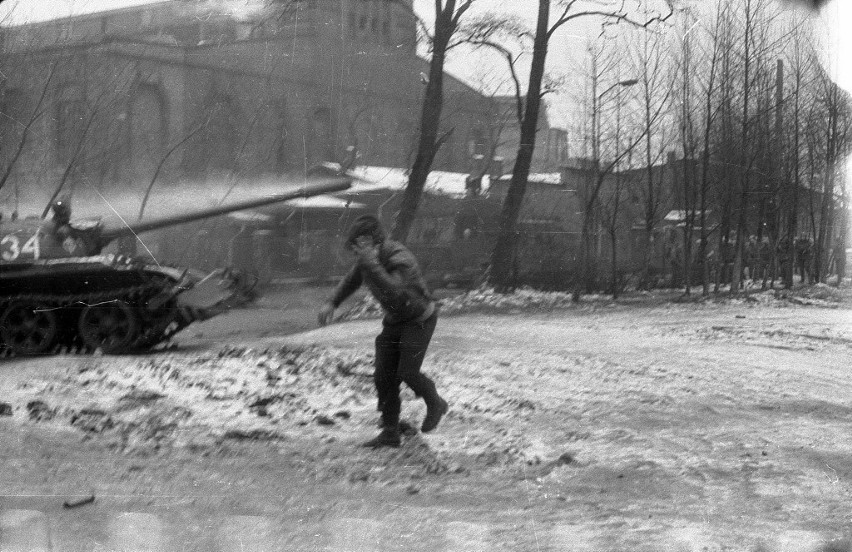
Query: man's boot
x,y
435,410
405,428
388,437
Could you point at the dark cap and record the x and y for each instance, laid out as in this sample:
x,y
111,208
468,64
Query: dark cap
x,y
61,210
366,225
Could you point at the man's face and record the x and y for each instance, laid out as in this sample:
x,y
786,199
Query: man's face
x,y
361,242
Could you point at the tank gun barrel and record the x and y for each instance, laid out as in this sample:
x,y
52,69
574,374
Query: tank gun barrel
x,y
308,189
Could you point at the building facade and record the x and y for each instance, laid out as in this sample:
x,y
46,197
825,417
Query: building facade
x,y
551,148
213,91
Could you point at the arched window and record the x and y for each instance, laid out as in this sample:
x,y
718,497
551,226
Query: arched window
x,y
476,142
148,131
405,140
321,135
70,115
12,115
220,136
282,145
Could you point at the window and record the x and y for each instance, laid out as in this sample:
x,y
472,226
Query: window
x,y
283,157
321,135
69,122
11,111
476,143
220,137
147,131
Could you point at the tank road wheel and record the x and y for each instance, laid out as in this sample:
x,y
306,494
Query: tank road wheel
x,y
28,328
155,325
111,327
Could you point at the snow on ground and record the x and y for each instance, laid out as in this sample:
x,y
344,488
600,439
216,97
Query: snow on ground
x,y
629,419
527,299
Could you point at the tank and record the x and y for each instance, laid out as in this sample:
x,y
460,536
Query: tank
x,y
58,291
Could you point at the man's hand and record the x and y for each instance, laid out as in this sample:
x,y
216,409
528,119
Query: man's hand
x,y
326,314
365,250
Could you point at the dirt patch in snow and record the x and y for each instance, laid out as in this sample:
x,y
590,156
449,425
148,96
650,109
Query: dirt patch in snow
x,y
666,415
317,400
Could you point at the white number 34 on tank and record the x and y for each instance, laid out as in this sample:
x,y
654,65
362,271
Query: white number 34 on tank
x,y
13,247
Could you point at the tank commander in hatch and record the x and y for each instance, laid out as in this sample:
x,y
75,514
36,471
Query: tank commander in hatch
x,y
60,227
61,220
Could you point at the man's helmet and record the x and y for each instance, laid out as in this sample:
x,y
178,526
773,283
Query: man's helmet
x,y
61,211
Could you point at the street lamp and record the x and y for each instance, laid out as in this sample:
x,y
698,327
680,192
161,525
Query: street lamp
x,y
596,136
625,82
596,100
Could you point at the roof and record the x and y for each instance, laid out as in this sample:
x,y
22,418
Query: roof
x,y
314,203
323,202
678,215
538,178
393,178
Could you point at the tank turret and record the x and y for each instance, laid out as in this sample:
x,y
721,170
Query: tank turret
x,y
60,237
57,289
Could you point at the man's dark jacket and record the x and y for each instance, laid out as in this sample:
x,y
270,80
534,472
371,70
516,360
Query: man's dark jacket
x,y
395,280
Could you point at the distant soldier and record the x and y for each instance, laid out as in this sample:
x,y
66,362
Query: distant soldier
x,y
804,254
750,259
393,276
675,258
764,261
727,258
782,253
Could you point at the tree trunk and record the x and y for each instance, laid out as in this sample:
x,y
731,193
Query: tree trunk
x,y
430,120
705,167
745,165
650,205
614,247
501,258
840,244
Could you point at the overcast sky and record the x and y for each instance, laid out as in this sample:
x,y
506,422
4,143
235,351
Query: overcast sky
x,y
563,54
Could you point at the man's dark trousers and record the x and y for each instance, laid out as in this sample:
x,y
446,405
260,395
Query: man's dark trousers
x,y
400,350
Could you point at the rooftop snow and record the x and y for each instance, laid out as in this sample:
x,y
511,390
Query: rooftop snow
x,y
538,178
439,182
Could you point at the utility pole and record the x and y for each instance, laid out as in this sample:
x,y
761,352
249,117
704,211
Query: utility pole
x,y
791,187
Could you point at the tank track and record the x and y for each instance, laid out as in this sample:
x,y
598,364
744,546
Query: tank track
x,y
154,328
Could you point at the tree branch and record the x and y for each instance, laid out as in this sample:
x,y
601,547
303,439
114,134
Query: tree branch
x,y
162,162
461,11
611,17
510,60
37,113
443,138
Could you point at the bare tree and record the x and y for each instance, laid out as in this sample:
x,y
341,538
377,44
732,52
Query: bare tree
x,y
759,45
689,146
34,116
799,62
568,10
598,211
835,121
648,63
485,32
612,217
198,128
612,204
448,14
94,110
717,40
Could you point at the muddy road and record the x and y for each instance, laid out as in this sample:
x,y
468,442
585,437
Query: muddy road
x,y
640,425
